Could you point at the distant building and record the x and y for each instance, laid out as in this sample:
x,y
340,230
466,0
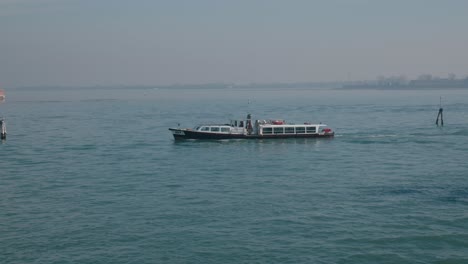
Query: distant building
x,y
423,81
439,83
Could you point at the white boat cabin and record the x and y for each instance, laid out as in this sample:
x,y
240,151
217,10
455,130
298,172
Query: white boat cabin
x,y
223,129
264,127
285,129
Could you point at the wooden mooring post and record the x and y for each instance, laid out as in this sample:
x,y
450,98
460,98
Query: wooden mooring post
x,y
2,129
440,115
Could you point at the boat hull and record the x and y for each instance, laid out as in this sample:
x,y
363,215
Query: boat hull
x,y
181,134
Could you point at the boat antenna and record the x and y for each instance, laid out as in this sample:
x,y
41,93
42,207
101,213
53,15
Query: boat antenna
x,y
440,115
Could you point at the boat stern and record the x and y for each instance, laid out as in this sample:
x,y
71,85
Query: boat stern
x,y
328,132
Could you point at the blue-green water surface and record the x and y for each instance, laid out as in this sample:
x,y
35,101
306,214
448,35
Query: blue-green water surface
x,y
94,176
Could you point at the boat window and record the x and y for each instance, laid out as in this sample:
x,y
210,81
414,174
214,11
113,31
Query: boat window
x,y
225,129
278,130
311,129
289,130
267,130
300,130
214,129
205,129
241,124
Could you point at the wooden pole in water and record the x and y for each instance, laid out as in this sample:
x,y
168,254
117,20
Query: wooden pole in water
x,y
440,115
2,129
2,121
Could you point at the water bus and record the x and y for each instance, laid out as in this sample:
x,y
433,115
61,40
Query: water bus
x,y
258,129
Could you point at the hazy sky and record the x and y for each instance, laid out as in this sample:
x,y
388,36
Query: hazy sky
x,y
151,42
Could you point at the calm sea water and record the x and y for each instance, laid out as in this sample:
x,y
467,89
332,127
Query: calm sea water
x,y
94,176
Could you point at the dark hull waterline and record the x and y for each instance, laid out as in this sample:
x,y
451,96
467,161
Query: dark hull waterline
x,y
189,134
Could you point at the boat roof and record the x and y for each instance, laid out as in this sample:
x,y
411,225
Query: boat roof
x,y
277,125
228,125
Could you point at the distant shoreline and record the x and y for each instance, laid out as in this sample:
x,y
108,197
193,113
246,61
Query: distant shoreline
x,y
406,87
423,83
358,85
